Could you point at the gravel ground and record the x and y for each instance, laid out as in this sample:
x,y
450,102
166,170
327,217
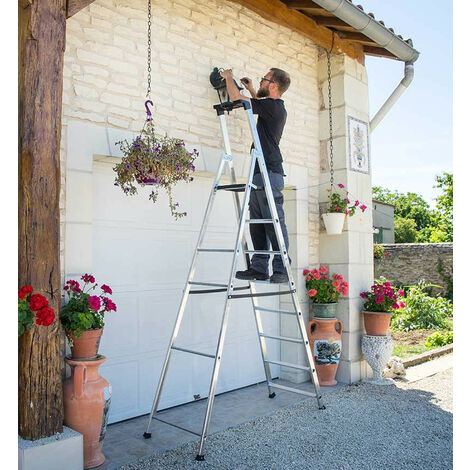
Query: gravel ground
x,y
366,427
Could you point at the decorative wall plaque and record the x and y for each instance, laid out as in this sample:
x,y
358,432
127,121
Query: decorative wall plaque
x,y
358,140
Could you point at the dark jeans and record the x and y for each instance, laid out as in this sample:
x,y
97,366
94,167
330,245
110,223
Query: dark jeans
x,y
263,234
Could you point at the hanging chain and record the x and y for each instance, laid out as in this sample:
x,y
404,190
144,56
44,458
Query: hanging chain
x,y
149,49
330,113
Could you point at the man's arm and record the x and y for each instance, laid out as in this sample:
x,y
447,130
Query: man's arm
x,y
232,89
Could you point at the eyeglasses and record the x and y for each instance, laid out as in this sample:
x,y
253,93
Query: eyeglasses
x,y
267,79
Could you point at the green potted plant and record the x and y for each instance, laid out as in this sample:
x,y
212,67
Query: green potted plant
x,y
378,305
338,208
82,316
152,160
32,307
323,291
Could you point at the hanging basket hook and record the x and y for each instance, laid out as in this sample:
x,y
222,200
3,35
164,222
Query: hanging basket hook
x,y
149,113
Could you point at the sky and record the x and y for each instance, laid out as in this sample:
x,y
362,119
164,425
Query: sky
x,y
413,143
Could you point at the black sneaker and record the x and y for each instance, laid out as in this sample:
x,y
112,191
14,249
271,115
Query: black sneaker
x,y
251,275
278,278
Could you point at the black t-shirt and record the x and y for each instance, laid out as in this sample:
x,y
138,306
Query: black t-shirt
x,y
272,117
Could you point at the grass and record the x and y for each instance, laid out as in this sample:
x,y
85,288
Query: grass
x,y
407,350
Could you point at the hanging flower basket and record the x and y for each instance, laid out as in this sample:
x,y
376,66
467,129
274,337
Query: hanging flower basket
x,y
152,160
333,222
339,207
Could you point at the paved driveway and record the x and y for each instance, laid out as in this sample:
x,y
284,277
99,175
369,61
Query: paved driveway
x,y
366,427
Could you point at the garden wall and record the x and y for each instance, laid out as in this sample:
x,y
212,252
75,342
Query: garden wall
x,y
408,263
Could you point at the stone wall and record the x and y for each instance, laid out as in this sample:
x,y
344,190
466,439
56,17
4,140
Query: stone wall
x,y
408,263
105,81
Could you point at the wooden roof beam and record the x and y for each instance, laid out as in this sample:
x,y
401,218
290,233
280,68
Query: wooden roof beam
x,y
304,5
279,13
356,37
378,52
74,6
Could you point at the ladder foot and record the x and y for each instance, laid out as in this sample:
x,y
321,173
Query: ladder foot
x,y
272,395
200,457
323,407
147,435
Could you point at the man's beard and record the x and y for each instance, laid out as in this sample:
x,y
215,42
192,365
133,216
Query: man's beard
x,y
262,93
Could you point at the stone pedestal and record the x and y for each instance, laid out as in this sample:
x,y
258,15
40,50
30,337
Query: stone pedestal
x,y
377,351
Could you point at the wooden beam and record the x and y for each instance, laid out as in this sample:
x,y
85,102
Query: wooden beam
x,y
378,52
356,37
279,13
304,5
74,6
330,21
41,44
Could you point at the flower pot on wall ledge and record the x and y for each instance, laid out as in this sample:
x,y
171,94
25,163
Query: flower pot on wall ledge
x,y
377,323
334,222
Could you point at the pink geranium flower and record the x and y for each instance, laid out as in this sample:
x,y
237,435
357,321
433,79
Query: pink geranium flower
x,y
305,272
323,270
312,293
95,302
106,289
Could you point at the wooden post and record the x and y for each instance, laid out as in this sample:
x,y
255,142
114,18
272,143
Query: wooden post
x,y
41,34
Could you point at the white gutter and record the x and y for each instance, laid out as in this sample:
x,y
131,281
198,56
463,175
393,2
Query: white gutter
x,y
368,26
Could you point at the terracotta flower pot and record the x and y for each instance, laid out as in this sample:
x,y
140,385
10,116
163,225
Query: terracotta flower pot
x,y
377,323
324,335
324,310
85,347
87,397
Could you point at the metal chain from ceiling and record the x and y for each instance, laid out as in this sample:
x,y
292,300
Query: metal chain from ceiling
x,y
330,112
149,48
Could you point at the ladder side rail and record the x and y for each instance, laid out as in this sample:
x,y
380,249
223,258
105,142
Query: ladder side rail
x,y
185,295
283,249
228,301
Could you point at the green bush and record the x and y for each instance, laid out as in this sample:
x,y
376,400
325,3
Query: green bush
x,y
438,339
422,312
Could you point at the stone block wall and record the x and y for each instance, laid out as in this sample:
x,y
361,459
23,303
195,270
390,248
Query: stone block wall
x,y
105,81
408,263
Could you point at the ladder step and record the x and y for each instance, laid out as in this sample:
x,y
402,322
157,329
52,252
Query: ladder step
x,y
217,250
261,294
209,284
263,252
259,221
232,187
176,426
282,338
291,389
288,364
190,351
284,312
212,291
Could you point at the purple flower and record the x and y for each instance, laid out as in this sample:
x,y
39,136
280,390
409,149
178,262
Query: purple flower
x,y
128,167
190,179
137,146
178,168
340,185
137,163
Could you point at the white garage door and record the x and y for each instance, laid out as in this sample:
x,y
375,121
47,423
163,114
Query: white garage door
x,y
144,255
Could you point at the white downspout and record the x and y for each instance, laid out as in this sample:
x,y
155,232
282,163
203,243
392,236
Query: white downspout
x,y
399,90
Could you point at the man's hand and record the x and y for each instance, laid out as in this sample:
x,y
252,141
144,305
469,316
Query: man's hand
x,y
226,74
247,83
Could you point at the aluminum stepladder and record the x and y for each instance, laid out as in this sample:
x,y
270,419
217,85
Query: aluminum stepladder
x,y
231,290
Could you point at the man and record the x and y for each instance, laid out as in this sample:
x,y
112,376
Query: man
x,y
268,105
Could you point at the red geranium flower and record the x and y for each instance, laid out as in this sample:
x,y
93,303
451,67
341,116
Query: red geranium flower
x,y
37,301
323,270
95,302
45,316
109,304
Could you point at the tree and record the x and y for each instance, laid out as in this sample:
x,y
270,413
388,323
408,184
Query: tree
x,y
443,217
405,230
410,206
